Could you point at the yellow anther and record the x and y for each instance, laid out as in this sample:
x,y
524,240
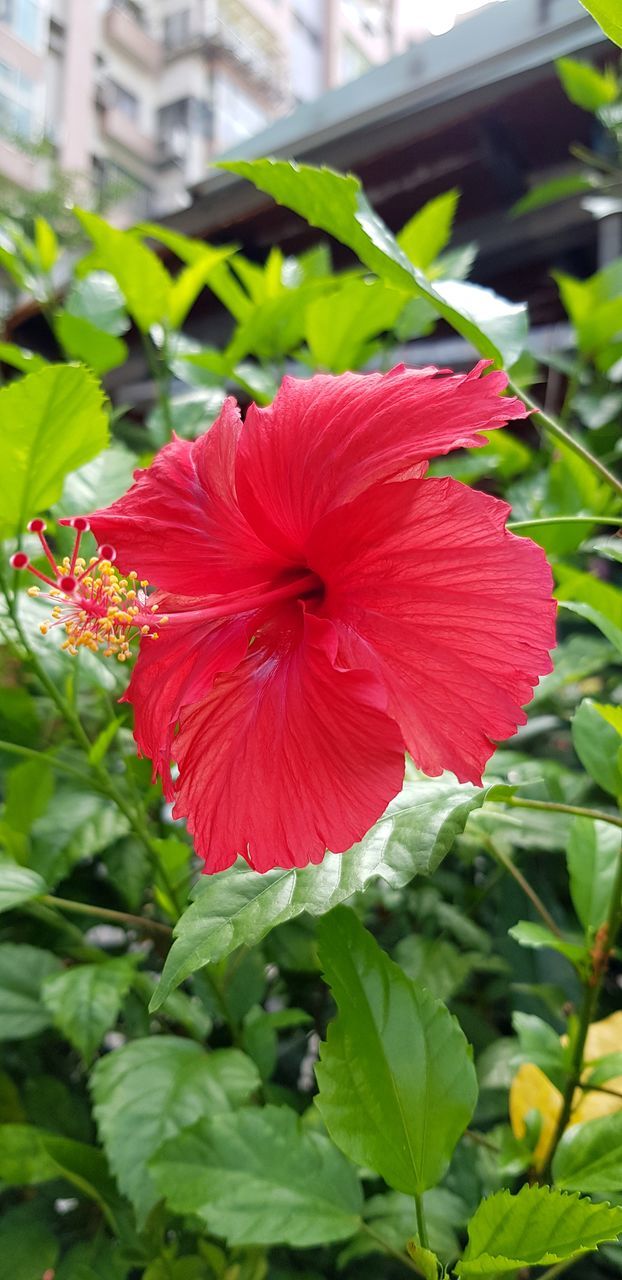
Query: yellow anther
x,y
33,591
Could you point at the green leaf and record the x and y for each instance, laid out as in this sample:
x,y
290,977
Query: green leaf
x,y
335,203
187,286
341,324
550,192
18,885
428,232
537,1227
22,971
592,854
149,1090
99,482
585,85
529,934
141,277
540,1044
76,825
103,741
29,789
98,299
256,1176
241,906
589,1156
28,1245
51,422
20,358
29,1155
607,1068
607,14
597,743
394,1055
85,1001
427,1262
83,341
46,244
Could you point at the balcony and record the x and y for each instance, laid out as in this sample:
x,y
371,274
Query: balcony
x,y
229,30
118,128
127,34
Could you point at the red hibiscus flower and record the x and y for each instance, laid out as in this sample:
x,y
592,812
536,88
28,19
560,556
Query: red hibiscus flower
x,y
327,608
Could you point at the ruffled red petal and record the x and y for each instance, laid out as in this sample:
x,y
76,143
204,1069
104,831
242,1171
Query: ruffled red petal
x,y
180,526
430,592
288,755
323,441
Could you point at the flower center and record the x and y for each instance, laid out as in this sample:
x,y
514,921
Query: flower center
x,y
98,608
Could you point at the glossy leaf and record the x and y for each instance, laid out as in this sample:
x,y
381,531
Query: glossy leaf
x,y
585,85
143,281
593,853
589,1156
256,1176
598,744
62,424
395,1055
85,1001
18,885
530,934
607,15
29,1155
537,1227
428,232
151,1089
335,203
22,971
83,341
241,906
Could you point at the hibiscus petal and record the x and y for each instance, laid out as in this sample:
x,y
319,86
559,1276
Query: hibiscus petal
x,y
176,670
430,591
323,441
180,525
288,755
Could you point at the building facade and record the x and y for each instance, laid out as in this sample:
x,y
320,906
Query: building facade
x,y
136,96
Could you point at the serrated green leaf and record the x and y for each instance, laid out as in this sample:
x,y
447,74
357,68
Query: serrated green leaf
x,y
592,854
85,1001
22,971
29,1155
20,358
149,1090
256,1176
18,885
241,906
394,1055
589,1156
141,277
607,15
335,203
537,1227
187,285
51,422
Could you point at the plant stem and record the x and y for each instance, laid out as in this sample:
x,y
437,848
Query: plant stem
x,y
159,373
551,806
27,753
107,913
421,1223
542,521
605,942
502,857
555,429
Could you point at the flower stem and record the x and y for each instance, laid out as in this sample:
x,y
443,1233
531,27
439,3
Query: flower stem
x,y
390,1249
42,757
107,913
555,429
422,1229
502,857
552,806
601,951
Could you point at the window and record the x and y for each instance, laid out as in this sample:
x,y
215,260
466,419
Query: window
x,y
124,101
238,114
177,120
19,116
307,60
24,17
177,29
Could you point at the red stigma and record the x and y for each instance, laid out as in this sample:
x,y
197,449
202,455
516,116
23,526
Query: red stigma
x,y
80,524
19,560
36,526
106,552
67,584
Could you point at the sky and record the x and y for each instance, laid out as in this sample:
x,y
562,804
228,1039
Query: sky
x,y
440,15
